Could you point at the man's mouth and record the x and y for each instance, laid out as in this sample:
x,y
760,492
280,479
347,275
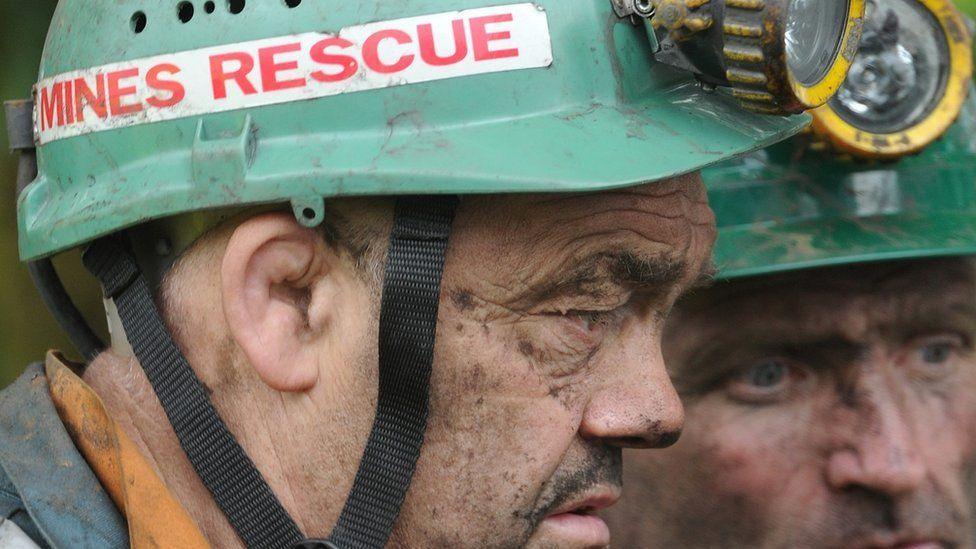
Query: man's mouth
x,y
906,543
576,524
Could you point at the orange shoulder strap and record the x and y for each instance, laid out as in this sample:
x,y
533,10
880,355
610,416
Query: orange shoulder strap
x,y
156,519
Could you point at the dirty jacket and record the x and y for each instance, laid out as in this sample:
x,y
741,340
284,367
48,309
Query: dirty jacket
x,y
69,476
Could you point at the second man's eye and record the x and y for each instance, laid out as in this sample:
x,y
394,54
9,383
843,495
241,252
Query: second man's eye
x,y
767,373
766,380
934,357
936,353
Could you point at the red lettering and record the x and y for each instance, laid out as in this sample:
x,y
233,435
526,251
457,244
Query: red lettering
x,y
116,93
481,39
176,90
85,97
270,67
69,107
219,75
428,49
371,54
347,62
52,106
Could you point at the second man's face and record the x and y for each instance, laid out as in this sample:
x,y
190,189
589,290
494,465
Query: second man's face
x,y
833,408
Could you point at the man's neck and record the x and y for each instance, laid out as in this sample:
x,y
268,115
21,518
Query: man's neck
x,y
131,401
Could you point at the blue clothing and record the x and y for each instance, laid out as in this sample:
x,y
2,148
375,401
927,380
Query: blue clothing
x,y
46,486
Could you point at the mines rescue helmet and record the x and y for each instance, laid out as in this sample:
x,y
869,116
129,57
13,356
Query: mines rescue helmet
x,y
152,118
887,171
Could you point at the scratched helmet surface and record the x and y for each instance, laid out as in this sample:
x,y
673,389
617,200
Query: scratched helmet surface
x,y
154,108
789,208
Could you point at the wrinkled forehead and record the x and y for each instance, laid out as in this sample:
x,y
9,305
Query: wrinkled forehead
x,y
531,235
841,302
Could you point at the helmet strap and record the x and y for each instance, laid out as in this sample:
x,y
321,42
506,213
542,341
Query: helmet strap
x,y
235,483
408,320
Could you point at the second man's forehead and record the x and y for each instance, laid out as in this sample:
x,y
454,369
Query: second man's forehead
x,y
827,303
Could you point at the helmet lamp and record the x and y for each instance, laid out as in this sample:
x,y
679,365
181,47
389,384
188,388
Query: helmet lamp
x,y
907,84
778,56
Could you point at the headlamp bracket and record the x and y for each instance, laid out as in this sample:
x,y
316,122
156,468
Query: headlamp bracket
x,y
638,8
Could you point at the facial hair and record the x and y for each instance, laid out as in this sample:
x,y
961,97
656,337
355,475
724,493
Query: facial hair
x,y
599,466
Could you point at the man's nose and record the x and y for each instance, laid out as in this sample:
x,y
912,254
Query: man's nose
x,y
638,409
881,452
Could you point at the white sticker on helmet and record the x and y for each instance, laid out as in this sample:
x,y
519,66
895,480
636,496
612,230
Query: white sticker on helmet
x,y
292,68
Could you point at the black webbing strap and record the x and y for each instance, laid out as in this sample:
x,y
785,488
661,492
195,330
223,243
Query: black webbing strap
x,y
408,320
236,485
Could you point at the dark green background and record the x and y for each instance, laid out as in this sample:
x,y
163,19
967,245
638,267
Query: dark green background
x,y
26,328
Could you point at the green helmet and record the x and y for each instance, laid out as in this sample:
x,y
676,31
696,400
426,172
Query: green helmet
x,y
825,198
160,108
565,97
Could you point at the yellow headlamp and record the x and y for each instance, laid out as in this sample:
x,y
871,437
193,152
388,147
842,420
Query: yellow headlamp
x,y
907,84
778,56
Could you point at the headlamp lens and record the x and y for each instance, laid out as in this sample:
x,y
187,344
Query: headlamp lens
x,y
900,72
778,56
814,36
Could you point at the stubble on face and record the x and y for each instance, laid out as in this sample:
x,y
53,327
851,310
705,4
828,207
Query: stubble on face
x,y
760,469
519,355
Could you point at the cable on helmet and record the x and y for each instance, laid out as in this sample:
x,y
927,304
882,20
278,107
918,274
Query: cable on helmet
x,y
778,56
907,84
20,135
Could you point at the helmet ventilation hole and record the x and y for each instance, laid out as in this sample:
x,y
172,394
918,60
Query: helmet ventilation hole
x,y
209,6
293,3
138,22
235,6
184,10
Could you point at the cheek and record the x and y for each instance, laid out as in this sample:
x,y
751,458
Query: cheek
x,y
954,440
756,456
495,434
964,409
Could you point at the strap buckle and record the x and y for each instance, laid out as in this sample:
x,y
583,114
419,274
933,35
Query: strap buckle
x,y
103,258
20,124
315,544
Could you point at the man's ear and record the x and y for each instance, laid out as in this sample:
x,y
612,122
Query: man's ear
x,y
275,294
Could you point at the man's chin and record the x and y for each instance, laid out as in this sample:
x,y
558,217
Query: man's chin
x,y
571,531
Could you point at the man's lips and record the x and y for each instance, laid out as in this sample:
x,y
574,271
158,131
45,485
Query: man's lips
x,y
905,542
575,522
589,502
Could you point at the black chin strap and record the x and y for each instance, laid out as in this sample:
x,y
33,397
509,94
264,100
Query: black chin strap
x,y
236,485
408,319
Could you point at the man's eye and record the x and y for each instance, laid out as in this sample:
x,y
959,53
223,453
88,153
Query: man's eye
x,y
936,353
590,320
767,374
933,356
766,380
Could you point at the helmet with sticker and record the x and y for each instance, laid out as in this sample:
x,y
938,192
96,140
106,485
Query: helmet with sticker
x,y
143,113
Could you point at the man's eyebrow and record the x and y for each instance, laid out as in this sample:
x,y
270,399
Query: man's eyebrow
x,y
659,270
706,276
622,268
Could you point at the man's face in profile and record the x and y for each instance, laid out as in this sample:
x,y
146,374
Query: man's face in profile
x,y
828,408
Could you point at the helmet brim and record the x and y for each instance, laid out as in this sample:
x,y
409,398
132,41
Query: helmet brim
x,y
578,150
